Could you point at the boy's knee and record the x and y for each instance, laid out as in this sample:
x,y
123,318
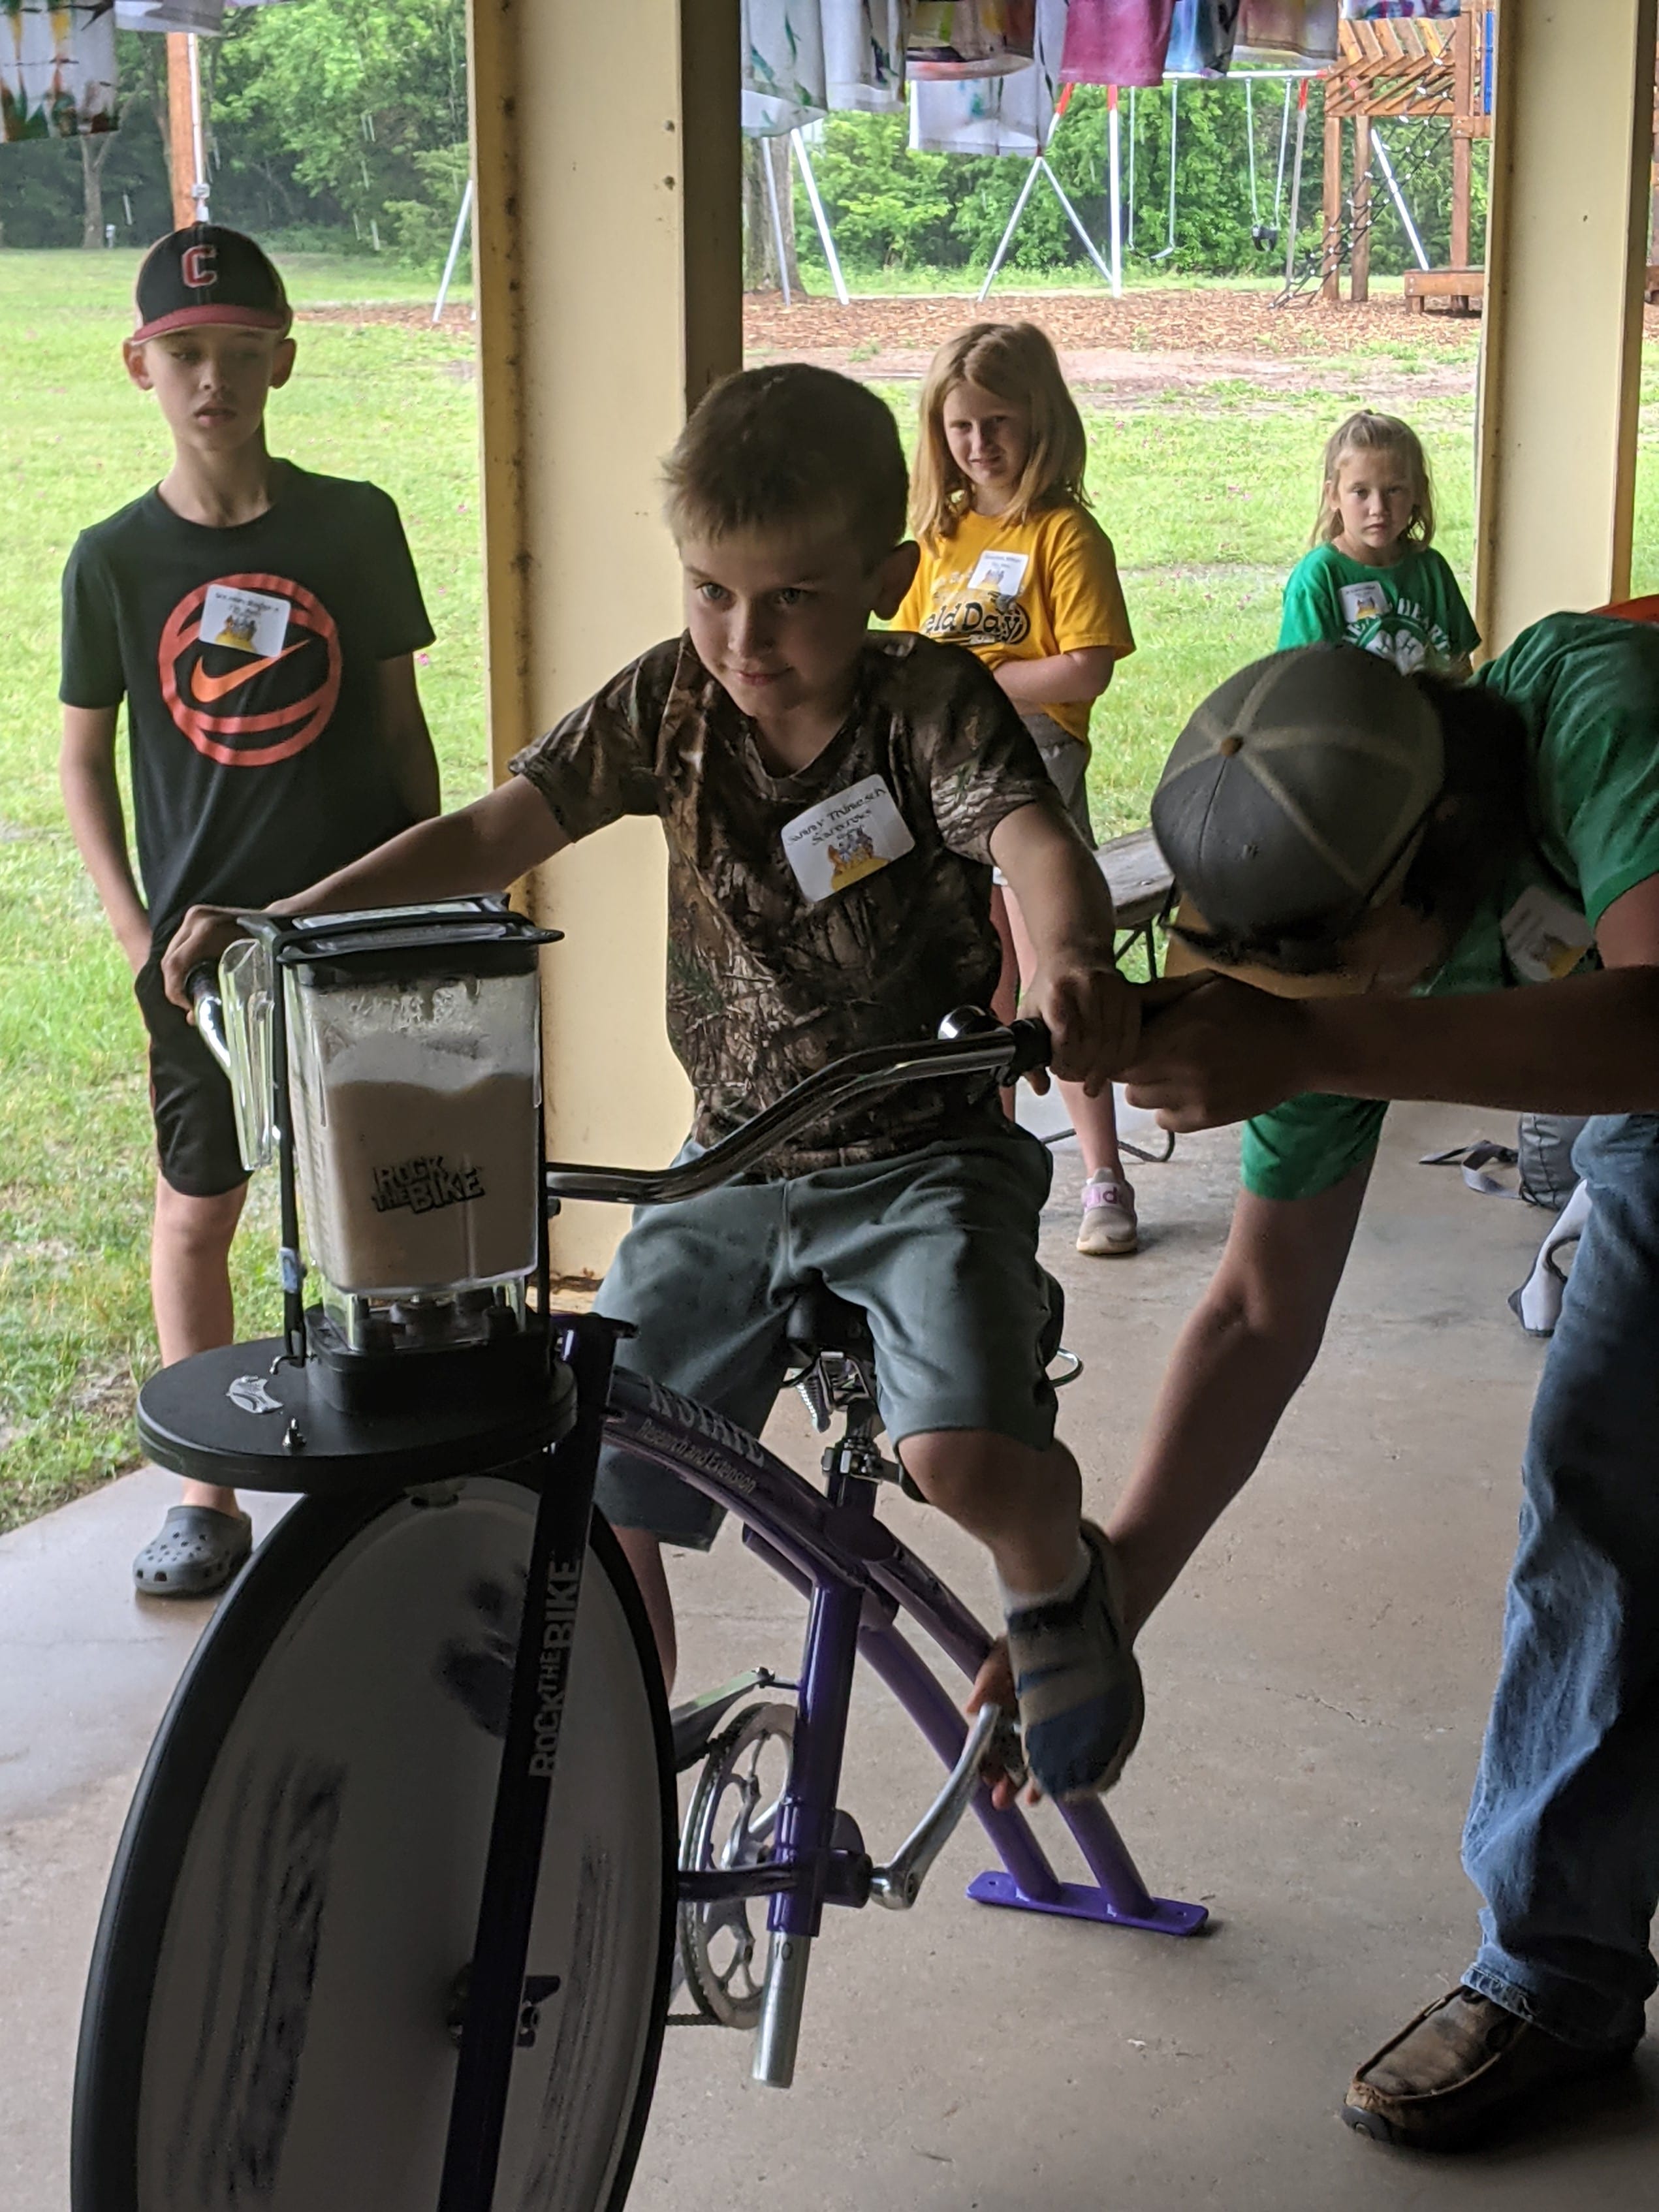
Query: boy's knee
x,y
947,1463
193,1226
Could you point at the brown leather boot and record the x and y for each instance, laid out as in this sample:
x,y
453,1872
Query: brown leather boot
x,y
1460,2070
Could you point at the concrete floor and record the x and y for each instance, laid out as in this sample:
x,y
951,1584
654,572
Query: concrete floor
x,y
1316,1692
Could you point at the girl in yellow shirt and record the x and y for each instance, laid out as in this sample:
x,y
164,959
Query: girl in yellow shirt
x,y
1015,568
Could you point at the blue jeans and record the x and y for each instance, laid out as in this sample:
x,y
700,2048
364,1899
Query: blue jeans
x,y
1563,1833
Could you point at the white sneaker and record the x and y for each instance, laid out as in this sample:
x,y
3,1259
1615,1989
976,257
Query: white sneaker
x,y
1109,1230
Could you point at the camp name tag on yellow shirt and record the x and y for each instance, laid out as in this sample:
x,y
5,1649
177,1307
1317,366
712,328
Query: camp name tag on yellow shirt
x,y
1545,938
1001,573
843,838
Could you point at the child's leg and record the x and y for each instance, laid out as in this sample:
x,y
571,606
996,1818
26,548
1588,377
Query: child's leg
x,y
189,1288
643,1553
939,1247
1025,1506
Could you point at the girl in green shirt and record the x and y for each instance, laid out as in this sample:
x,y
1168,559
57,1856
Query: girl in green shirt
x,y
1372,578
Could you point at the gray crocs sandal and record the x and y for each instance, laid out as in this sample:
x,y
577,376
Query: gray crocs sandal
x,y
198,1551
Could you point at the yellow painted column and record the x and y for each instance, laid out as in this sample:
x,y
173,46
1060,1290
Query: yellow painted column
x,y
1572,141
607,162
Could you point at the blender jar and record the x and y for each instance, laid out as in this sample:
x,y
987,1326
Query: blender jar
x,y
415,1076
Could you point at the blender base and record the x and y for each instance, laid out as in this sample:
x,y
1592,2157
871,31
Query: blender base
x,y
243,1417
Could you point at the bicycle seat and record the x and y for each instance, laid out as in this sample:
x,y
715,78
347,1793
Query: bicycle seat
x,y
820,1322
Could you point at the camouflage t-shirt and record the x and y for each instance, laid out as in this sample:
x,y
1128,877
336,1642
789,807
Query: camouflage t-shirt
x,y
811,914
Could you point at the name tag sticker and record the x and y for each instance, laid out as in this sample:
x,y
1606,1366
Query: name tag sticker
x,y
1001,573
843,838
1545,938
247,621
1363,603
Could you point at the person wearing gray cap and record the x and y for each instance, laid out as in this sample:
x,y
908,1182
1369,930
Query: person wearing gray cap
x,y
1370,863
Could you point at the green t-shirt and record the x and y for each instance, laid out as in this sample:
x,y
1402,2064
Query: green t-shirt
x,y
1588,687
1411,614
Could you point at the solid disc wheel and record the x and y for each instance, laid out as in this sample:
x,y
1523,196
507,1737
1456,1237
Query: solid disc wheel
x,y
294,1903
731,1823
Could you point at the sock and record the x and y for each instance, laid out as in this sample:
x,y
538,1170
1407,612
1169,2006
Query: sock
x,y
1018,1600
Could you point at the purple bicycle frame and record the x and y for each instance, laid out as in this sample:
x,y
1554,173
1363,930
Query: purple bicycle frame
x,y
859,1577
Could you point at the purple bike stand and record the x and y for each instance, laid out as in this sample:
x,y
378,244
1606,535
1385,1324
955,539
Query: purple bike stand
x,y
1025,1881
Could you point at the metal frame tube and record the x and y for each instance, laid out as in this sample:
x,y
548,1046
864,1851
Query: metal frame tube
x,y
1013,224
819,216
1115,187
454,253
776,213
1399,198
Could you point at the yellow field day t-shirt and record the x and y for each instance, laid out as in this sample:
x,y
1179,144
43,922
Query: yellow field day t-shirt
x,y
1023,591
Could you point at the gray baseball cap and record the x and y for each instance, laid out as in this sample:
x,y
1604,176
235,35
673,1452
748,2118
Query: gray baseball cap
x,y
1294,798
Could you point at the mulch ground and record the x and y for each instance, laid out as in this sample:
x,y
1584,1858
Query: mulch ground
x,y
1201,320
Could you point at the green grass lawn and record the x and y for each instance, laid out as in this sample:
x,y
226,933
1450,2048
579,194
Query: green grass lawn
x,y
1208,494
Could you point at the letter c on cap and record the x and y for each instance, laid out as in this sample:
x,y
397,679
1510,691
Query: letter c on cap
x,y
195,267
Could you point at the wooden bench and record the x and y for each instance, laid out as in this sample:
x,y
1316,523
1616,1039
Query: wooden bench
x,y
1465,288
1138,876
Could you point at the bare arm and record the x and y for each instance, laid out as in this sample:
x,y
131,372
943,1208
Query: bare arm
x,y
1239,1360
483,847
92,800
1059,679
1092,1014
1590,1045
407,739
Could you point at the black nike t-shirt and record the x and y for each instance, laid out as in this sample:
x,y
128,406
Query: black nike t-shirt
x,y
247,659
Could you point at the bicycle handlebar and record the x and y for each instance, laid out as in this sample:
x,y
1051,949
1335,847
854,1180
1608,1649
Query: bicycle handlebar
x,y
969,1043
202,985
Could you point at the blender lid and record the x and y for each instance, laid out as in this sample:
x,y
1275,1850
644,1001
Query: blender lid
x,y
472,937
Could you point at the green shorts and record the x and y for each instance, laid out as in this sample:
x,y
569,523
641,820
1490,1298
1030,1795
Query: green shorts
x,y
937,1246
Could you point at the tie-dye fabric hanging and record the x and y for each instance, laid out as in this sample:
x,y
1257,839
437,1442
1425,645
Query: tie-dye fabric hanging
x,y
1201,38
57,69
1012,114
1281,34
804,57
1116,41
948,41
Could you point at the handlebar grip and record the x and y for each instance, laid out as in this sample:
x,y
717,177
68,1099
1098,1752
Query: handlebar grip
x,y
1034,1046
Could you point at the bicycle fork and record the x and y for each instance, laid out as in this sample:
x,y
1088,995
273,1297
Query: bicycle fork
x,y
806,1816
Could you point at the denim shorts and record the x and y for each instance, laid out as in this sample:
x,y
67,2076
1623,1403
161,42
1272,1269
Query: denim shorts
x,y
937,1246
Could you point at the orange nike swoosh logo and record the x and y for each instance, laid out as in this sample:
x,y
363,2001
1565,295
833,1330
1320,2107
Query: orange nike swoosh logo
x,y
206,689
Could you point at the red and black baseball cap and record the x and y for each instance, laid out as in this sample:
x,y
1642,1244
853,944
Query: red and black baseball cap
x,y
207,274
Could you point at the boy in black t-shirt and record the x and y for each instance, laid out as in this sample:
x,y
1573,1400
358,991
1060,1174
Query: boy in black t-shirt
x,y
260,623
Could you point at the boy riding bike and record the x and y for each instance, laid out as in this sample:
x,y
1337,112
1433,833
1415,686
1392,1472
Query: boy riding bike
x,y
833,802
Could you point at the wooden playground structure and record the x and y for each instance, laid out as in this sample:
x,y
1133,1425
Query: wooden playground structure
x,y
1411,71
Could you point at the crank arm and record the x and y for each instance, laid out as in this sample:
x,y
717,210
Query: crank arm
x,y
692,1724
898,1884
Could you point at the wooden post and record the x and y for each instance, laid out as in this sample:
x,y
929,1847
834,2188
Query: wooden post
x,y
1561,352
608,274
1330,258
1462,149
1359,252
181,130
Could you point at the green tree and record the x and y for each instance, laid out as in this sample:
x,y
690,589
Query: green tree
x,y
325,116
